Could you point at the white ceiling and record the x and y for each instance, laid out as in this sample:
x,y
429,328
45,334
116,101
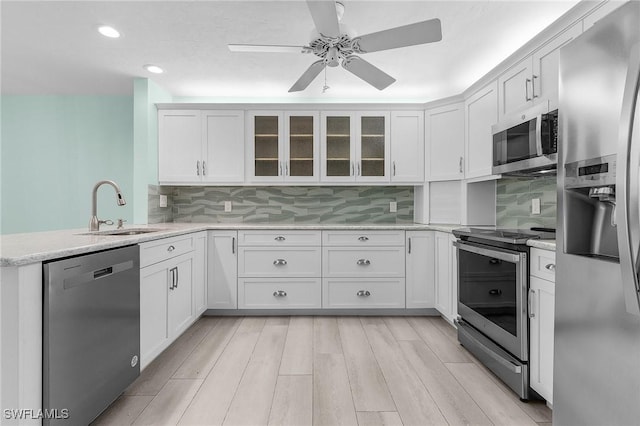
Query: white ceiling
x,y
52,47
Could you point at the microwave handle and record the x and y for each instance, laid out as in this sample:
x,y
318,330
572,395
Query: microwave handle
x,y
539,135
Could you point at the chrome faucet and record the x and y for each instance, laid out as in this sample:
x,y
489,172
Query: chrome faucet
x,y
94,222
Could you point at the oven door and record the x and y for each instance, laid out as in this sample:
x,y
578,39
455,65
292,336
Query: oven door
x,y
492,294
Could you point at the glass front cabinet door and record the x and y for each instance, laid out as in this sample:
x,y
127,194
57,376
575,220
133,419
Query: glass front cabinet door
x,y
283,146
355,147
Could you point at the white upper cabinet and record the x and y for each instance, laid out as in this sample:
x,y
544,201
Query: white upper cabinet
x,y
223,146
535,78
355,147
606,8
407,147
283,146
200,146
481,112
179,146
444,130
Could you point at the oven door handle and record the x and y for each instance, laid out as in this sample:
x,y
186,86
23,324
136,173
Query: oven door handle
x,y
507,257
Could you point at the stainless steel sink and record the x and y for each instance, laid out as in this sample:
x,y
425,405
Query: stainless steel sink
x,y
126,231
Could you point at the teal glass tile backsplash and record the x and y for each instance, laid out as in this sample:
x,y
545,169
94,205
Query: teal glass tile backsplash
x,y
513,202
285,204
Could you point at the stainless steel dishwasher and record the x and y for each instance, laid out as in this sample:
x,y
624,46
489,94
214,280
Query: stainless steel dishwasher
x,y
91,332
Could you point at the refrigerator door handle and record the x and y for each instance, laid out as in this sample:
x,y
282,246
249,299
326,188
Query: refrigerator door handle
x,y
627,183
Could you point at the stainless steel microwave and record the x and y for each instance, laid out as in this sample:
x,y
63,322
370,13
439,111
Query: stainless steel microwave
x,y
526,143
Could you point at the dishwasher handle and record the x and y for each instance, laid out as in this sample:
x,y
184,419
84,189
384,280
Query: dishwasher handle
x,y
88,277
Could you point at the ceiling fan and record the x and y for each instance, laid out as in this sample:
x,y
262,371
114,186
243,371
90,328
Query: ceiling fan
x,y
334,47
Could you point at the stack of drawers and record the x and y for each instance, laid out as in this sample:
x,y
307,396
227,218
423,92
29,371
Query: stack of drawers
x,y
279,270
363,269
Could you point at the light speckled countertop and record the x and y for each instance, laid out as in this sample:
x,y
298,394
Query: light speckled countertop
x,y
22,249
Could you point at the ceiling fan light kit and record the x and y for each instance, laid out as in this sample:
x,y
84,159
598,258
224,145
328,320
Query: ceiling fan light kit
x,y
334,48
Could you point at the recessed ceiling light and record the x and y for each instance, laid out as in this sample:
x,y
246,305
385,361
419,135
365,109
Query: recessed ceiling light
x,y
108,31
154,69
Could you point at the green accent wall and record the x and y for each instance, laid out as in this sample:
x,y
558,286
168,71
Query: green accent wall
x,y
53,150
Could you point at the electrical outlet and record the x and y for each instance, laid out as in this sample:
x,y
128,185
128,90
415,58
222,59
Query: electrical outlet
x,y
393,207
535,206
163,200
227,206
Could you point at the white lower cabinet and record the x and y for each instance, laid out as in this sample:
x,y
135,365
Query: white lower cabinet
x,y
420,269
541,319
372,262
349,293
446,276
200,274
270,293
222,270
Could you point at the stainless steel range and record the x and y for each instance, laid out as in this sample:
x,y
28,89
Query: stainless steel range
x,y
493,284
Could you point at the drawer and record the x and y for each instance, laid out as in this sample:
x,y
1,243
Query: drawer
x,y
165,248
543,264
363,293
277,293
276,238
363,262
279,262
363,238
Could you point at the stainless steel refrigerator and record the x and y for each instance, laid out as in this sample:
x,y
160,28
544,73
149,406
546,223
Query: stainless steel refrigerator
x,y
597,311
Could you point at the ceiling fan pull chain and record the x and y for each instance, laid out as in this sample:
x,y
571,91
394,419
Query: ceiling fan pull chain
x,y
325,87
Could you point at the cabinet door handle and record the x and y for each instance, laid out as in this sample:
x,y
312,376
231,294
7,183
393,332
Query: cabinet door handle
x,y
279,262
526,89
363,262
409,240
358,168
233,245
173,278
532,294
170,248
204,168
394,168
363,238
198,167
550,267
279,238
352,172
533,86
279,293
280,168
286,168
460,164
363,293
177,277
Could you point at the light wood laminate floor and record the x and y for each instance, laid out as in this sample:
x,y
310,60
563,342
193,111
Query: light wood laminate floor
x,y
319,371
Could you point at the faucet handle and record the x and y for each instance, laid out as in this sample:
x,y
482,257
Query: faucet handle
x,y
121,223
106,222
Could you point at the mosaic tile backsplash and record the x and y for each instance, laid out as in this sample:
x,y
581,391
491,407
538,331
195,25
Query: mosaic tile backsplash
x,y
513,202
283,204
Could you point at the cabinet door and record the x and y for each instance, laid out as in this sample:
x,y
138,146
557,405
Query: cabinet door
x,y
222,270
453,278
420,275
180,298
444,291
514,88
302,131
153,312
407,146
223,156
264,146
445,142
373,150
481,113
179,146
200,273
546,69
541,318
338,147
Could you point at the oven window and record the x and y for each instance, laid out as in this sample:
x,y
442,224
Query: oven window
x,y
488,286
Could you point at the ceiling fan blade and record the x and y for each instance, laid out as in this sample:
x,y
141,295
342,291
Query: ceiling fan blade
x,y
407,35
325,17
308,76
369,73
268,48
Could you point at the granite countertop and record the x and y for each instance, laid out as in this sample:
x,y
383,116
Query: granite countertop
x,y
22,249
543,244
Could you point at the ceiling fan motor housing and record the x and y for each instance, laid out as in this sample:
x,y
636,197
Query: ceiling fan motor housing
x,y
333,50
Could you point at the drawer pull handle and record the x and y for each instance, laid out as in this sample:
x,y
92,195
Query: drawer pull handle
x,y
171,248
550,267
363,238
279,293
363,293
279,262
363,262
279,238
